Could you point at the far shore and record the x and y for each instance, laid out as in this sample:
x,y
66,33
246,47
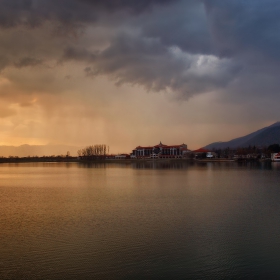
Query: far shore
x,y
78,160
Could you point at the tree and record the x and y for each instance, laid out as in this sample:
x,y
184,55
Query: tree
x,y
93,151
274,148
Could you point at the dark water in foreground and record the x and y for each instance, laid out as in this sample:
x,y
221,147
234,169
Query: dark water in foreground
x,y
140,221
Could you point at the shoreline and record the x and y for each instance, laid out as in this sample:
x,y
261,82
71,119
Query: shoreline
x,y
76,160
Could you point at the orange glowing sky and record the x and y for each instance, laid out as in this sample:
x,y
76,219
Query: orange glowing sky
x,y
124,74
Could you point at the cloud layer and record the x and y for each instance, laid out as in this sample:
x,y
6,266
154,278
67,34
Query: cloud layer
x,y
185,48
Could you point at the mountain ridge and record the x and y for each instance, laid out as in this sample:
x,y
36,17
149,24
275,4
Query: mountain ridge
x,y
262,137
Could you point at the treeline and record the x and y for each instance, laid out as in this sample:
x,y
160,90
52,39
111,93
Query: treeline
x,y
94,151
274,148
16,159
229,152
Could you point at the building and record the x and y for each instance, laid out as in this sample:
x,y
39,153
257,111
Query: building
x,y
275,157
200,153
122,156
160,151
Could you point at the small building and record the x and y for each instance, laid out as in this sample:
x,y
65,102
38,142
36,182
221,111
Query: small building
x,y
122,156
201,153
211,155
275,156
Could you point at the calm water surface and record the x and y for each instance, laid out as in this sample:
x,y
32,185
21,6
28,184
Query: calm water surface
x,y
140,221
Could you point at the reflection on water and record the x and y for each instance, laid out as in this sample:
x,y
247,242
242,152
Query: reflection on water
x,y
178,164
140,220
181,164
158,164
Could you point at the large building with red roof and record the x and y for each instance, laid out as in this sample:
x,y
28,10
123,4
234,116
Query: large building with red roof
x,y
160,151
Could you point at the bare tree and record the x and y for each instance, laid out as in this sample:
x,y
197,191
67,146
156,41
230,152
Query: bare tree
x,y
93,151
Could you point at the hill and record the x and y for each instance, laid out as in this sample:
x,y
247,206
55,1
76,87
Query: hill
x,y
263,137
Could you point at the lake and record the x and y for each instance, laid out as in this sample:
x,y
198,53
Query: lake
x,y
153,220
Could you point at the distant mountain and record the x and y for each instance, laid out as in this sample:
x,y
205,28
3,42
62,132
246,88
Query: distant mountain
x,y
37,150
263,137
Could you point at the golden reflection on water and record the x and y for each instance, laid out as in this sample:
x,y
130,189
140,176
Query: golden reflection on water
x,y
140,220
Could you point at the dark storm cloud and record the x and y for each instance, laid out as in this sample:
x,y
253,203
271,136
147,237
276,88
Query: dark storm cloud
x,y
248,33
187,46
146,62
184,25
78,54
243,32
239,26
34,12
132,5
28,61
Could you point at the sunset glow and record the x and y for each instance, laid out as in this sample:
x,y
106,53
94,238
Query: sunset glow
x,y
124,74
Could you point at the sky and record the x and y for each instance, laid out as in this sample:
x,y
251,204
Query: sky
x,y
128,72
